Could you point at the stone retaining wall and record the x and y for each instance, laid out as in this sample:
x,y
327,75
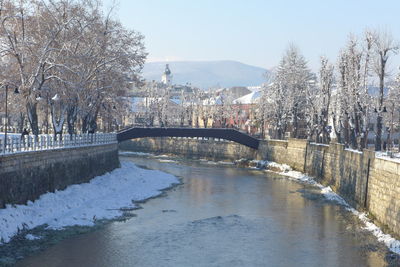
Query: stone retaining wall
x,y
190,147
365,182
384,193
26,176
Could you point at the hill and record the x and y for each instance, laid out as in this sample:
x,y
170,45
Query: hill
x,y
207,74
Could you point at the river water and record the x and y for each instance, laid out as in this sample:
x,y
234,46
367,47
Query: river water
x,y
224,216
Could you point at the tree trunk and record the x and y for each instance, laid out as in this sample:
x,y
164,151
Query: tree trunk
x,y
71,119
85,124
21,122
378,138
295,122
379,120
33,117
205,122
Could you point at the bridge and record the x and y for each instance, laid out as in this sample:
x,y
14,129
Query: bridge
x,y
221,133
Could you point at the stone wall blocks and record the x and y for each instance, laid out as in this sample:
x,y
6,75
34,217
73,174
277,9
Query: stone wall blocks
x,y
33,174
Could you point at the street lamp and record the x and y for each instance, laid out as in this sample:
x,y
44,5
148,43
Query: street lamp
x,y
16,91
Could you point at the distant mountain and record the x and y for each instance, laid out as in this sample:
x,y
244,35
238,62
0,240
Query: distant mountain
x,y
207,74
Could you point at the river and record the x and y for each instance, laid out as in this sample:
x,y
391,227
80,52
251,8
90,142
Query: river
x,y
222,215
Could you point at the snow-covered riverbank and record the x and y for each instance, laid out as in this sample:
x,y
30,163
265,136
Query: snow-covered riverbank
x,y
104,197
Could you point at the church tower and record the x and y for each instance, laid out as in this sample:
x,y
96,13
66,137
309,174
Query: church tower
x,y
166,78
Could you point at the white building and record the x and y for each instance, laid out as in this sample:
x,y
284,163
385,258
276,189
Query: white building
x,y
166,78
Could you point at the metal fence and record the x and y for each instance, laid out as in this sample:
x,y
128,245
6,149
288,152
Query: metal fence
x,y
16,144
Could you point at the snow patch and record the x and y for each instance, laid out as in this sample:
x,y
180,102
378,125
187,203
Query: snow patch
x,y
270,165
392,243
395,157
225,162
32,237
162,156
167,161
253,97
83,204
127,153
332,196
353,150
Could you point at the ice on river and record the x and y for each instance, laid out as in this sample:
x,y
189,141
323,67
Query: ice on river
x,y
83,204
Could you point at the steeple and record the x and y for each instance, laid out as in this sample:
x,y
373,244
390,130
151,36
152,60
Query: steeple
x,y
167,70
166,78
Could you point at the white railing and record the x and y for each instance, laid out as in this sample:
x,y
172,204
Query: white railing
x,y
16,144
10,129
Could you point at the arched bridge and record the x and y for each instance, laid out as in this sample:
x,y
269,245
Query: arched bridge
x,y
222,133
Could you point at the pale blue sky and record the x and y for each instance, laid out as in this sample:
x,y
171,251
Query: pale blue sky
x,y
255,32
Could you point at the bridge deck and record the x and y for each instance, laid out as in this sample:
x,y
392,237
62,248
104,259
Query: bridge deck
x,y
222,133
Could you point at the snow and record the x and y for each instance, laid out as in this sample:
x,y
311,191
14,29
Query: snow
x,y
127,153
225,163
395,157
388,240
218,100
353,150
254,88
328,193
83,204
32,237
167,161
319,144
251,98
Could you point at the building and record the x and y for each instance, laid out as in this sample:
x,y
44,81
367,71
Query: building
x,y
166,78
218,111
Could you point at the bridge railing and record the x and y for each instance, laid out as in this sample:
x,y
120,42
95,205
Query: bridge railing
x,y
17,144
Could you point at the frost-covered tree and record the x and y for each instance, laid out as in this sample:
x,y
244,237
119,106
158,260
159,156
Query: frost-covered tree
x,y
340,101
69,61
326,81
352,101
288,93
318,101
27,39
391,120
384,46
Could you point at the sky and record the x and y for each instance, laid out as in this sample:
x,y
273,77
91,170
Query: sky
x,y
254,32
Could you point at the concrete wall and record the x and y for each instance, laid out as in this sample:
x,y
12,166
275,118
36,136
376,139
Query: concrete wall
x,y
26,176
365,182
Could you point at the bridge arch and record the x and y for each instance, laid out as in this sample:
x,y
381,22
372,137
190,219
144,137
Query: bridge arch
x,y
222,133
